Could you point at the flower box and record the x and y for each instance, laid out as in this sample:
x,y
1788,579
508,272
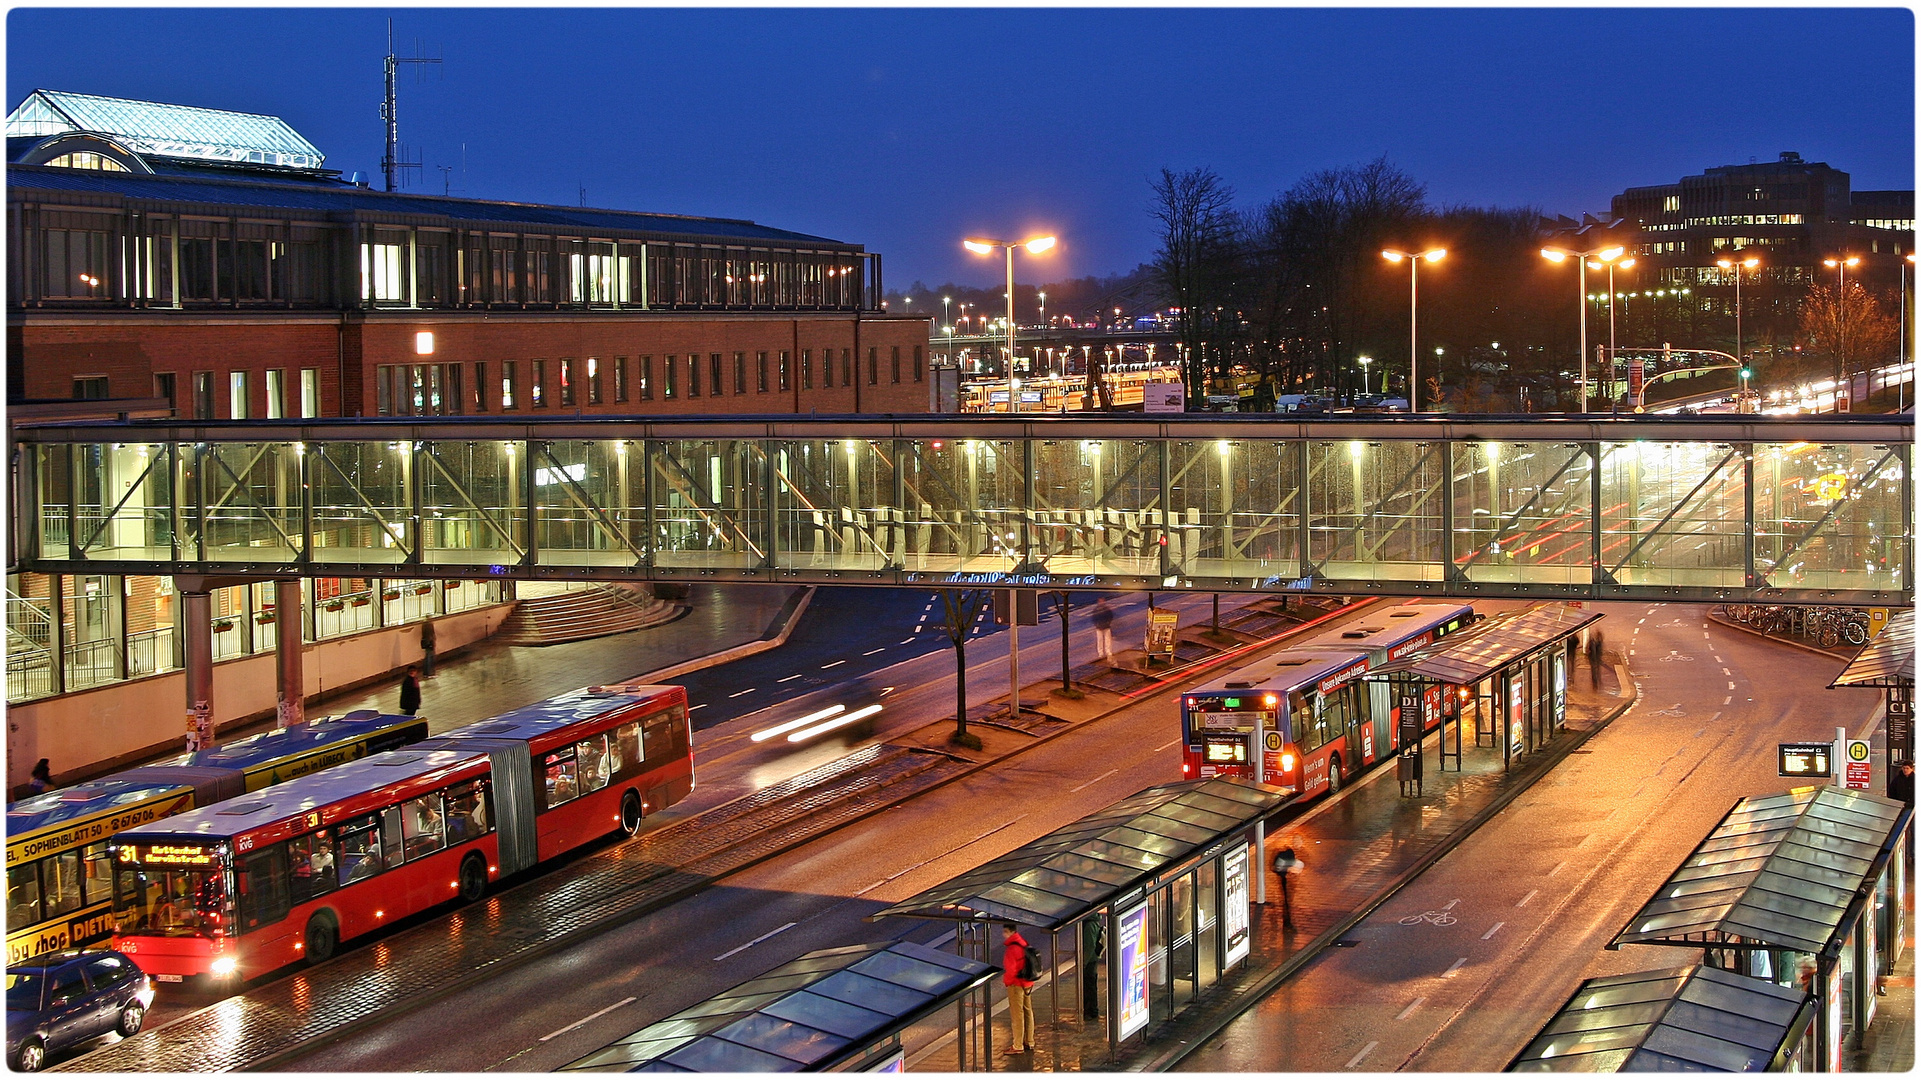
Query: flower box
x,y
264,618
221,626
390,594
450,586
336,605
423,590
362,601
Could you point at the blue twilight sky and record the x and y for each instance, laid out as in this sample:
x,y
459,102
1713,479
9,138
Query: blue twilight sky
x,y
905,129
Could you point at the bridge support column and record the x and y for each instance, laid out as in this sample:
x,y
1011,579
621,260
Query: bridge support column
x,y
196,630
289,650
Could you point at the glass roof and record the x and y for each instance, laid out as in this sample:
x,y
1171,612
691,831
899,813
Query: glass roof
x,y
1080,867
1779,871
170,131
808,1015
1688,1019
1888,660
1475,652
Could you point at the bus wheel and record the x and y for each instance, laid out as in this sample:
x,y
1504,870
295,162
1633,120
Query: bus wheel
x,y
1334,776
473,877
630,813
323,933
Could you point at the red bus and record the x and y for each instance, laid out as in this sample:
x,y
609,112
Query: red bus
x,y
1318,723
254,884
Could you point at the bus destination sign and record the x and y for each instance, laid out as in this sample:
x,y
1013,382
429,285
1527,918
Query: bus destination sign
x,y
1806,760
169,855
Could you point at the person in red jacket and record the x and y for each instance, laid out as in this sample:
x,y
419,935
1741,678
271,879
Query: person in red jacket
x,y
1020,992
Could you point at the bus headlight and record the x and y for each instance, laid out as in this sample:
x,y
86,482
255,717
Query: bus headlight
x,y
223,966
1287,762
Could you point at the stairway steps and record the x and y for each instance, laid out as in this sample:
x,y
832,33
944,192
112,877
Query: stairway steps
x,y
577,616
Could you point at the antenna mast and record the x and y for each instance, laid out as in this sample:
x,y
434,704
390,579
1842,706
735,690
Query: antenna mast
x,y
391,163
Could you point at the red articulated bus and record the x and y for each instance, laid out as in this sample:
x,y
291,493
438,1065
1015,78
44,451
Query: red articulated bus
x,y
1318,723
251,885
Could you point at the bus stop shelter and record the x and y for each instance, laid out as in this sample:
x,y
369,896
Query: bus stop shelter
x,y
1887,663
1790,889
832,1010
1513,666
1152,893
1687,1019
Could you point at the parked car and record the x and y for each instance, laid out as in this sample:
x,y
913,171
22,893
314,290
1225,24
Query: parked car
x,y
61,999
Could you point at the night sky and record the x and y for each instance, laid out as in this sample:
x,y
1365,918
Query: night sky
x,y
905,130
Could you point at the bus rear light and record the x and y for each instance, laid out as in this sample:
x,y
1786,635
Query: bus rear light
x,y
1287,762
1270,700
493,869
380,914
224,966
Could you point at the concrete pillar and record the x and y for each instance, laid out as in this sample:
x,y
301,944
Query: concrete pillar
x,y
289,647
196,623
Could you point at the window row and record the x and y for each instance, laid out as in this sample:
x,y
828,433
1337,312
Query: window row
x,y
592,763
285,394
569,382
58,884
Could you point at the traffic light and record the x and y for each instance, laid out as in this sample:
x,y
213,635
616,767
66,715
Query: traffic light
x,y
1747,371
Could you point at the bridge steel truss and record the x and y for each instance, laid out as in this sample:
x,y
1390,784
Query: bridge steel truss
x,y
1760,509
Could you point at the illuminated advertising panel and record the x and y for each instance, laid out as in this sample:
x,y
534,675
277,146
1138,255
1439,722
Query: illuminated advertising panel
x,y
1131,971
1234,911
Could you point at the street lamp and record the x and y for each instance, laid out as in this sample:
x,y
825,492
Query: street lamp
x,y
1606,255
1043,297
1366,360
1737,266
945,302
1034,246
1413,304
1623,264
1840,264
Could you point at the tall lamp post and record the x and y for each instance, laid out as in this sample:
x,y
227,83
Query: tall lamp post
x,y
945,303
1606,255
1840,263
1624,264
1365,360
1034,246
1413,305
1738,265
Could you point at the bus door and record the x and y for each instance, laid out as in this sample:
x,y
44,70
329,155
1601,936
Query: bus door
x,y
1378,739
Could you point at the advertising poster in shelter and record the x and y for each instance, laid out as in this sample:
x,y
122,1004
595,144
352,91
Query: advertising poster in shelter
x,y
1234,911
1161,627
1131,969
1516,712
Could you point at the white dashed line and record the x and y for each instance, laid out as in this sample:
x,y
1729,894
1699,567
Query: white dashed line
x,y
1164,746
1357,1058
836,663
1730,686
1452,968
588,1019
871,652
756,941
1522,902
1094,781
1729,700
1557,868
916,630
1409,1011
1493,930
749,690
696,708
789,678
910,641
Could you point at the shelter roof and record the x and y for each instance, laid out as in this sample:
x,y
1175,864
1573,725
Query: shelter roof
x,y
1888,660
1686,1019
1470,655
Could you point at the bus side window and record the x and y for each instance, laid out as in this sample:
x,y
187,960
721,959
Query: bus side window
x,y
466,812
263,888
627,738
60,876
558,780
423,826
23,894
359,850
391,849
99,872
591,753
311,859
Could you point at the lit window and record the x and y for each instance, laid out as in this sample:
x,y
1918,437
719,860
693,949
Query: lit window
x,y
380,272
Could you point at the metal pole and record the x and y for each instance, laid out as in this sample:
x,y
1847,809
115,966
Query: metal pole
x,y
1014,654
1258,757
288,649
1581,283
1737,318
1413,336
1013,396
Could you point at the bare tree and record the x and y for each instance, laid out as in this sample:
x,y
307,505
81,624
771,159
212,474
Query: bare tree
x,y
1195,263
962,607
1847,327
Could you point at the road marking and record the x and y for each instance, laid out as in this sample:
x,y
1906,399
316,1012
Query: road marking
x,y
1718,660
1724,671
836,663
942,855
1450,904
1630,652
910,641
749,690
1164,746
1730,686
789,678
1557,868
1409,1011
588,1019
1641,620
1453,968
1356,1059
1522,902
756,941
1094,781
1493,930
1729,700
871,652
693,708
916,630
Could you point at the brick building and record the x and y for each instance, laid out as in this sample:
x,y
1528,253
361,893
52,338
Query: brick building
x,y
209,259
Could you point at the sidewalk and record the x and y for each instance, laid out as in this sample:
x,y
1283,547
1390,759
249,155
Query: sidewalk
x,y
487,679
1358,849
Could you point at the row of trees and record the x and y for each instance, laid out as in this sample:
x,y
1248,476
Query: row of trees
x,y
1295,290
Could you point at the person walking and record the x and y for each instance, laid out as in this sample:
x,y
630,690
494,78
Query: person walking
x,y
1594,658
1103,619
42,778
1017,965
1900,782
427,647
410,692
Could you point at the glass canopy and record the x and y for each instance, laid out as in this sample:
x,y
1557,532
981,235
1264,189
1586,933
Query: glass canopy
x,y
1689,1019
171,131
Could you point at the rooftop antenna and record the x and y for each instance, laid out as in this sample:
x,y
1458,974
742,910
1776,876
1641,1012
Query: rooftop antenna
x,y
446,179
390,164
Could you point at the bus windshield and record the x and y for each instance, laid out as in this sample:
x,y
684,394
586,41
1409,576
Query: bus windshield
x,y
151,897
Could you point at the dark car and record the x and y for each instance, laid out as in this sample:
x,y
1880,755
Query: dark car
x,y
65,998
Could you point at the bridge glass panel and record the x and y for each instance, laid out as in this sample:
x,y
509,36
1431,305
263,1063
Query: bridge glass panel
x,y
966,497
833,506
1674,514
709,504
474,502
362,509
1374,510
121,496
249,500
1522,512
1830,516
581,493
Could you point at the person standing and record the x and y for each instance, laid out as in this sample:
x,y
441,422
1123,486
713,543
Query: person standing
x,y
427,647
42,778
410,692
1900,782
1018,973
1103,620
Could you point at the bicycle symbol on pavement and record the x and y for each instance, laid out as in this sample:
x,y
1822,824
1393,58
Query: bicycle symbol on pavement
x,y
1438,918
1677,657
1672,710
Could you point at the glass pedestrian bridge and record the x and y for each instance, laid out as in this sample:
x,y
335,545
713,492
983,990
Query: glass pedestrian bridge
x,y
1801,510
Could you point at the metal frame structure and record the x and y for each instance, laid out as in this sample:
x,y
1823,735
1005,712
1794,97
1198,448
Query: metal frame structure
x,y
1735,508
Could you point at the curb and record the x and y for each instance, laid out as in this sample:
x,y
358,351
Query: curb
x,y
1714,613
1253,993
787,618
